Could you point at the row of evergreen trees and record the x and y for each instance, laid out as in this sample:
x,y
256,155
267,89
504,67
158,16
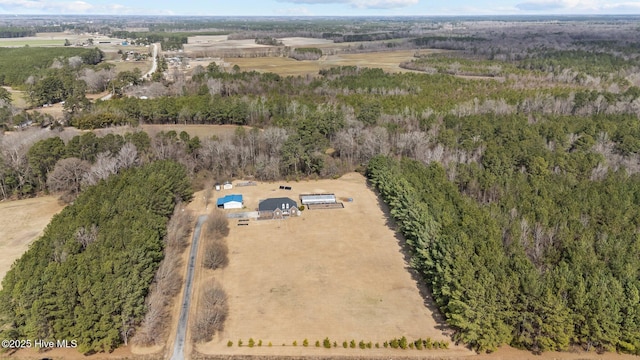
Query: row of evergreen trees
x,y
87,277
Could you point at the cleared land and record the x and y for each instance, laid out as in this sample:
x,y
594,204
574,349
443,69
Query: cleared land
x,y
250,56
54,39
388,61
21,222
338,273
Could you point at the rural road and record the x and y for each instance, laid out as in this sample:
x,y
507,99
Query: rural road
x,y
154,66
181,334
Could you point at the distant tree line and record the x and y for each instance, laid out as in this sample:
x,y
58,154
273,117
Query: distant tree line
x,y
16,32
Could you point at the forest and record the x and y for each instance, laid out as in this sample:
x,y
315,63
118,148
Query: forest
x,y
18,64
87,277
515,148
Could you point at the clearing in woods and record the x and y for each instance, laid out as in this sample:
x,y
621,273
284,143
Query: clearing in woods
x,y
339,273
21,222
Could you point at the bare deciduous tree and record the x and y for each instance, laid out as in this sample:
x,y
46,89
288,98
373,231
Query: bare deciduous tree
x,y
216,255
87,236
104,167
212,312
127,156
167,281
67,176
217,226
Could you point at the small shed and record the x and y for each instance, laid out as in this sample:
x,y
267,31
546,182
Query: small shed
x,y
230,202
311,199
227,185
277,208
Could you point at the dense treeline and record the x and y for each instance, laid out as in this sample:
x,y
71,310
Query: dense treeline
x,y
86,278
18,64
27,162
16,32
202,109
306,54
167,40
570,277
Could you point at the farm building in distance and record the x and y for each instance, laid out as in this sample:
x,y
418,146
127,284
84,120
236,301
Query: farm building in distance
x,y
311,199
230,202
277,208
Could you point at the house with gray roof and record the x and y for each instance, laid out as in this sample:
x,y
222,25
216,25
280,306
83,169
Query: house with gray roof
x,y
278,208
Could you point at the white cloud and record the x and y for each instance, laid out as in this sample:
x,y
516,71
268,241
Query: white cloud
x,y
294,11
579,6
360,4
69,7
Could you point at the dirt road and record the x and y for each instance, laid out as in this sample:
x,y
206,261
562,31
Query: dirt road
x,y
178,345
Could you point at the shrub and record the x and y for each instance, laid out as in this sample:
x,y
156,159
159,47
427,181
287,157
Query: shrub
x,y
428,344
295,343
385,344
240,342
344,344
326,343
362,344
229,343
335,344
394,343
305,342
411,345
418,344
259,342
352,344
369,345
444,344
377,345
436,344
403,343
270,344
251,342
317,343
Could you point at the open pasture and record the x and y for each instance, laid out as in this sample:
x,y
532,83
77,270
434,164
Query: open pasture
x,y
21,222
338,273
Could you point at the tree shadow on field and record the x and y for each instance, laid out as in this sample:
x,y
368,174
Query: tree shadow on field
x,y
420,282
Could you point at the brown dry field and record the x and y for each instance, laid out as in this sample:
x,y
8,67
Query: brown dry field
x,y
223,42
17,97
338,273
21,222
388,61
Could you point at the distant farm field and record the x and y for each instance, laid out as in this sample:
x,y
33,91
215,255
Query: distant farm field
x,y
251,56
21,222
19,42
338,273
387,60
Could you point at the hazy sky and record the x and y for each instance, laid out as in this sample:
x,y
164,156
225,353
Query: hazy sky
x,y
320,7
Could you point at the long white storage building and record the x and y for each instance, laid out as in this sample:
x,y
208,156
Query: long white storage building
x,y
311,199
